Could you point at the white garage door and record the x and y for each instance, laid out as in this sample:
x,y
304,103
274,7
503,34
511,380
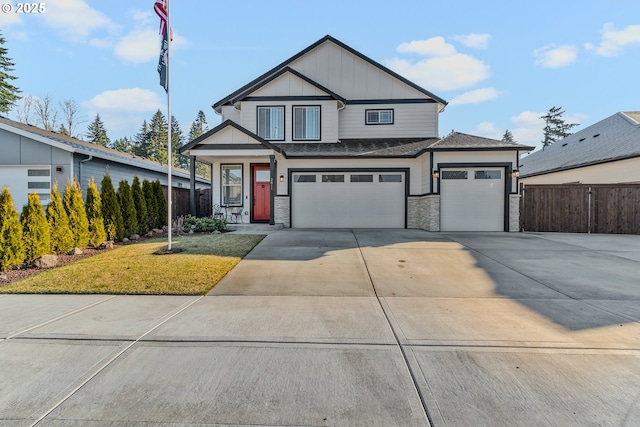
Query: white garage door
x,y
472,199
23,180
348,200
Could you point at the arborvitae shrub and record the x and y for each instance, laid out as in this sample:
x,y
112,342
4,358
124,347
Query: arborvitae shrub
x,y
93,206
74,206
11,245
162,204
128,209
36,233
61,236
152,204
140,205
111,212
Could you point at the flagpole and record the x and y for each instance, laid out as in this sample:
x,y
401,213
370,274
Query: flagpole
x,y
169,187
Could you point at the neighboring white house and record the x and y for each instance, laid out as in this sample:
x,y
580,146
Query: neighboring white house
x,y
607,152
33,159
332,139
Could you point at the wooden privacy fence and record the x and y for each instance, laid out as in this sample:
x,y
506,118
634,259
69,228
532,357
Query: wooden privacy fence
x,y
180,202
581,208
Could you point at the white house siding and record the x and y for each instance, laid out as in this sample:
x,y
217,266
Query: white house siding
x,y
620,171
410,120
288,85
425,173
229,112
328,117
350,76
476,157
230,136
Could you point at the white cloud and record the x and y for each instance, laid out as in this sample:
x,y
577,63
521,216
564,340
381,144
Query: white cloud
x,y
613,41
435,46
7,19
552,56
76,19
139,46
488,130
476,96
125,101
476,41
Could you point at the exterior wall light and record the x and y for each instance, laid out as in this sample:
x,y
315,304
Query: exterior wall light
x,y
435,174
281,177
515,173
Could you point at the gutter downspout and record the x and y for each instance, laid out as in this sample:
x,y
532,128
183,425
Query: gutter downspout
x,y
81,169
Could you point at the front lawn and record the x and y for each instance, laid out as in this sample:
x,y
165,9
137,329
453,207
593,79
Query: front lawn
x,y
203,260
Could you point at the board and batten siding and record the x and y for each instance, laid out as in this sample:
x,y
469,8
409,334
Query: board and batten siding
x,y
409,121
288,85
621,171
229,112
350,76
328,117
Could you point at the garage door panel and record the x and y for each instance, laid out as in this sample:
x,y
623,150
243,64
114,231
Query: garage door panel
x,y
347,204
472,199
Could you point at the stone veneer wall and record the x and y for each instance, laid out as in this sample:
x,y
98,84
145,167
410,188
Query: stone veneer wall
x,y
424,212
282,211
514,212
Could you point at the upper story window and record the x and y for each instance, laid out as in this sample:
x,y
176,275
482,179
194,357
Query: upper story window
x,y
306,123
271,123
379,117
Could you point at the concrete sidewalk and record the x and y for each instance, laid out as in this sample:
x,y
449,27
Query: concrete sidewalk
x,y
342,327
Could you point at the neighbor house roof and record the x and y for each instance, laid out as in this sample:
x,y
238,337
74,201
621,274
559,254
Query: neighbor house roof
x,y
615,138
75,145
268,75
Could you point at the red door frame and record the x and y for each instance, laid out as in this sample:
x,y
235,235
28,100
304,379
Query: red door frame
x,y
266,211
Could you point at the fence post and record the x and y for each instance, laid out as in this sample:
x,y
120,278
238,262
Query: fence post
x,y
589,211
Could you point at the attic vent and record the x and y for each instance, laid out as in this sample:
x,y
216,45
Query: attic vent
x,y
581,139
596,135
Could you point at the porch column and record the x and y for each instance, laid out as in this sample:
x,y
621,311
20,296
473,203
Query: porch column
x,y
272,172
192,187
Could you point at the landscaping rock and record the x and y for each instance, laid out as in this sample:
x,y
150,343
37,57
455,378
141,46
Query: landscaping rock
x,y
157,231
125,240
46,261
134,237
75,251
107,245
3,277
149,234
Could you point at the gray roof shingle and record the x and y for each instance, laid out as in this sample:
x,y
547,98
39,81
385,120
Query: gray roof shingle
x,y
379,147
615,138
463,141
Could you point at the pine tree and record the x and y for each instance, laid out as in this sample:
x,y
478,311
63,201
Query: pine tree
x,y
141,141
508,136
93,206
36,233
177,141
140,205
152,204
158,138
8,92
111,213
123,144
127,206
12,252
199,127
61,236
74,206
161,201
555,127
97,133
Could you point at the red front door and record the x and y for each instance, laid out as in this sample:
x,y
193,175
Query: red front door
x,y
261,183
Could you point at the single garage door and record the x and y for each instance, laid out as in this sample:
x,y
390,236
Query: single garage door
x,y
348,200
472,199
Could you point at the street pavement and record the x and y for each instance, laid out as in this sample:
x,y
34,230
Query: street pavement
x,y
347,328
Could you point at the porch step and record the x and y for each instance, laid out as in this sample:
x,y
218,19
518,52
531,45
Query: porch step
x,y
253,228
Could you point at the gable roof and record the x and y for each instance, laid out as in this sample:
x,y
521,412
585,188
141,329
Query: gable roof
x,y
374,147
221,127
461,141
615,138
326,38
74,145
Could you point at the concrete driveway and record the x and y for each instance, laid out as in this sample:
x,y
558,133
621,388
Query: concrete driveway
x,y
342,327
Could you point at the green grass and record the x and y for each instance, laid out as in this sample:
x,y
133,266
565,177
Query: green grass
x,y
203,260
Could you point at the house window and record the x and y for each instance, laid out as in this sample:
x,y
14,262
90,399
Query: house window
x,y
332,178
361,178
487,175
379,117
306,123
454,174
304,178
231,180
389,178
271,123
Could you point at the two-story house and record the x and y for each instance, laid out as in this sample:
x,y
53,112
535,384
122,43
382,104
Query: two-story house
x,y
332,139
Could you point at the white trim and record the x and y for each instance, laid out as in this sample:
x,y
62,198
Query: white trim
x,y
231,153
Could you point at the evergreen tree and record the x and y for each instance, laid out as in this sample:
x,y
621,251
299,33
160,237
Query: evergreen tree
x,y
12,252
177,141
508,136
74,206
36,233
140,205
97,133
61,236
8,92
93,206
158,138
199,127
161,201
142,141
127,206
123,144
555,127
152,204
111,212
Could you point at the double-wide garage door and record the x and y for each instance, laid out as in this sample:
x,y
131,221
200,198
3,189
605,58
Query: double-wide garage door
x,y
348,199
472,199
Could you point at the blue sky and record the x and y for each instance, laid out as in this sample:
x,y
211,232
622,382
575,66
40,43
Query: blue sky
x,y
500,64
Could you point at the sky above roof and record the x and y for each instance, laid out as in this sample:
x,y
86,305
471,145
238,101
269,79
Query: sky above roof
x,y
499,64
